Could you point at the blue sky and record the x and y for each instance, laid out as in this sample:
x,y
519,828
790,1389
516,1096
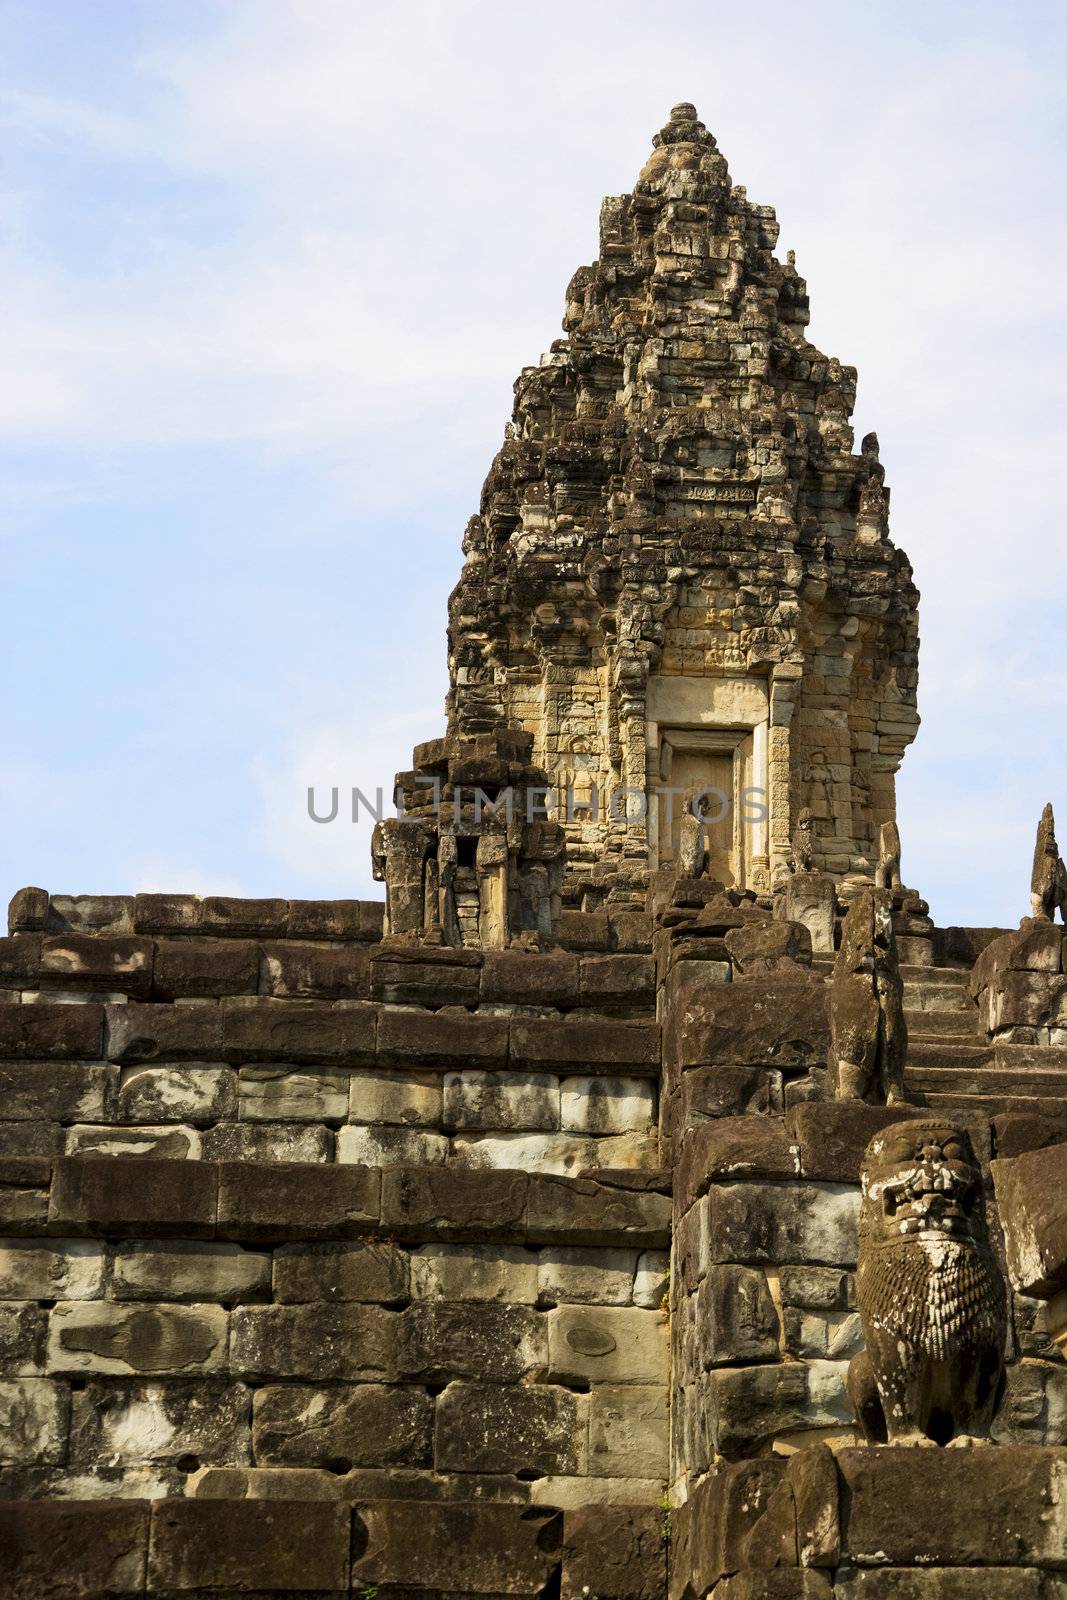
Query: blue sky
x,y
268,273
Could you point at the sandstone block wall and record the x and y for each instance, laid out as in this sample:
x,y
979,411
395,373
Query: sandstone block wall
x,y
230,1030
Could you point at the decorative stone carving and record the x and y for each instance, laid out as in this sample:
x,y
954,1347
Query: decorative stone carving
x,y
802,858
692,857
931,1297
658,520
869,1037
887,872
1048,880
474,860
808,897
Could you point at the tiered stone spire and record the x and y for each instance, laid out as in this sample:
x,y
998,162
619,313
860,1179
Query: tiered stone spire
x,y
680,570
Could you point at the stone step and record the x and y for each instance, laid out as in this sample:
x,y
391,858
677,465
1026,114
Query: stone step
x,y
987,1081
1037,1105
943,1024
948,1053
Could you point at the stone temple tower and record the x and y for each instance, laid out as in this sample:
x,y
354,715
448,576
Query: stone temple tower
x,y
681,573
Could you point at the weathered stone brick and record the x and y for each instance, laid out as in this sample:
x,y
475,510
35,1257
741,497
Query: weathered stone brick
x,y
948,1507
20,961
248,1545
287,1094
304,1143
586,1275
442,1039
319,1342
577,1211
560,1153
131,1424
335,919
1032,1201
614,1550
359,1425
617,980
442,1339
498,1427
124,1340
652,1279
451,1203
24,1187
71,1549
315,971
28,1138
628,1430
733,1148
407,1099
771,1020
195,1093
474,1272
163,1033
580,1043
51,1032
22,1336
462,1548
783,1223
607,1344
93,1195
506,1100
341,1271
736,1317
34,1419
27,910
169,1143
338,1032
185,1270
295,1201
61,1269
514,977
385,1145
193,967
752,1405
427,976
95,962
602,1105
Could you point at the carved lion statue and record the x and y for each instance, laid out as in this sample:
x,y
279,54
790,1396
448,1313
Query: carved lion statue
x,y
931,1296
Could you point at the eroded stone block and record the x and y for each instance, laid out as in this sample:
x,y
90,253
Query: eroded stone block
x,y
193,1093
494,1427
190,1271
586,1275
607,1344
363,1424
124,1340
133,1424
317,1342
340,1271
475,1272
508,1101
61,1269
287,1094
628,1430
602,1105
34,1415
406,1098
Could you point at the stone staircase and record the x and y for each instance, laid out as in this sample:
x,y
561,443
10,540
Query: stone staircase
x,y
953,1066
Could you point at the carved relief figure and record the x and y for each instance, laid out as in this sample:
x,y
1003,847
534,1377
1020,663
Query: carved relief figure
x,y
931,1297
868,1034
1048,880
692,858
887,872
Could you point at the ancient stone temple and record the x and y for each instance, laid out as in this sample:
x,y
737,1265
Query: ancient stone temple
x,y
681,571
638,1204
